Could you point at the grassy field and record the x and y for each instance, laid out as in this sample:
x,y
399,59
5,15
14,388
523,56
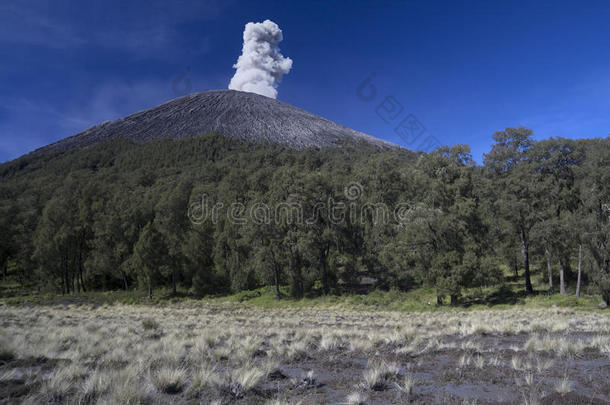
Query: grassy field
x,y
421,299
223,351
118,347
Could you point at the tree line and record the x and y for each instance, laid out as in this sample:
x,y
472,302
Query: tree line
x,y
116,216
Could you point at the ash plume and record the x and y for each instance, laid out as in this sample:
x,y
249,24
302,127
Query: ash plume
x,y
260,67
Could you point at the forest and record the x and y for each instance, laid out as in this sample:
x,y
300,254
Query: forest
x,y
118,215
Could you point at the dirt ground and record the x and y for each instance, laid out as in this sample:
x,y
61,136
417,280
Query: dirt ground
x,y
438,377
308,356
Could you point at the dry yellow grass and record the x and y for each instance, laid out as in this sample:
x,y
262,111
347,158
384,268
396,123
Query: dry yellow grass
x,y
134,354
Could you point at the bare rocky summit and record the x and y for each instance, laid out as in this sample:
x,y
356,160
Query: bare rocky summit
x,y
232,113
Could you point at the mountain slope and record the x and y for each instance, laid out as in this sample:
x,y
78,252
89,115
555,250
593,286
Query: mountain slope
x,y
232,113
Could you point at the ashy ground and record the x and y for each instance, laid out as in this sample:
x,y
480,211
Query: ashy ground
x,y
229,353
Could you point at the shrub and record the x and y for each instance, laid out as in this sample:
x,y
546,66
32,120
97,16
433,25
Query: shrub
x,y
376,378
169,380
149,324
94,386
244,380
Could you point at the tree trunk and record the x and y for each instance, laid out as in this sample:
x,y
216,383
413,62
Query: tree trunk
x,y
77,271
82,282
125,282
454,299
296,272
579,271
66,276
5,270
325,286
439,300
174,292
324,268
562,284
605,299
276,281
526,262
79,275
549,268
150,292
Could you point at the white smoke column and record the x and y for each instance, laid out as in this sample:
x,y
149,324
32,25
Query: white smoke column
x,y
261,65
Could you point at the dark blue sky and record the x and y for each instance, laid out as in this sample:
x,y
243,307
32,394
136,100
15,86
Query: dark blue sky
x,y
463,69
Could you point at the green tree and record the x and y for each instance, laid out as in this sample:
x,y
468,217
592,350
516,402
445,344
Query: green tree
x,y
198,250
556,162
172,221
8,249
150,256
516,196
446,234
596,200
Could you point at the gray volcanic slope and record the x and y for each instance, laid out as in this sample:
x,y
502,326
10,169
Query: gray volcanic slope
x,y
232,113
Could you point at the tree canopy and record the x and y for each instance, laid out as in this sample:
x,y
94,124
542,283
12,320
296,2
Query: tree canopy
x,y
214,215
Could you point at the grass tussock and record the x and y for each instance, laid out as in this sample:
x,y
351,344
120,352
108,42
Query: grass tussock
x,y
169,380
356,398
228,352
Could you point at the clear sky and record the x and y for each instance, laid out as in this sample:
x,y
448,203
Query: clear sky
x,y
463,69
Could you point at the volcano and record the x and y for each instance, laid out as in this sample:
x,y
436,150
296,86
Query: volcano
x,y
235,114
